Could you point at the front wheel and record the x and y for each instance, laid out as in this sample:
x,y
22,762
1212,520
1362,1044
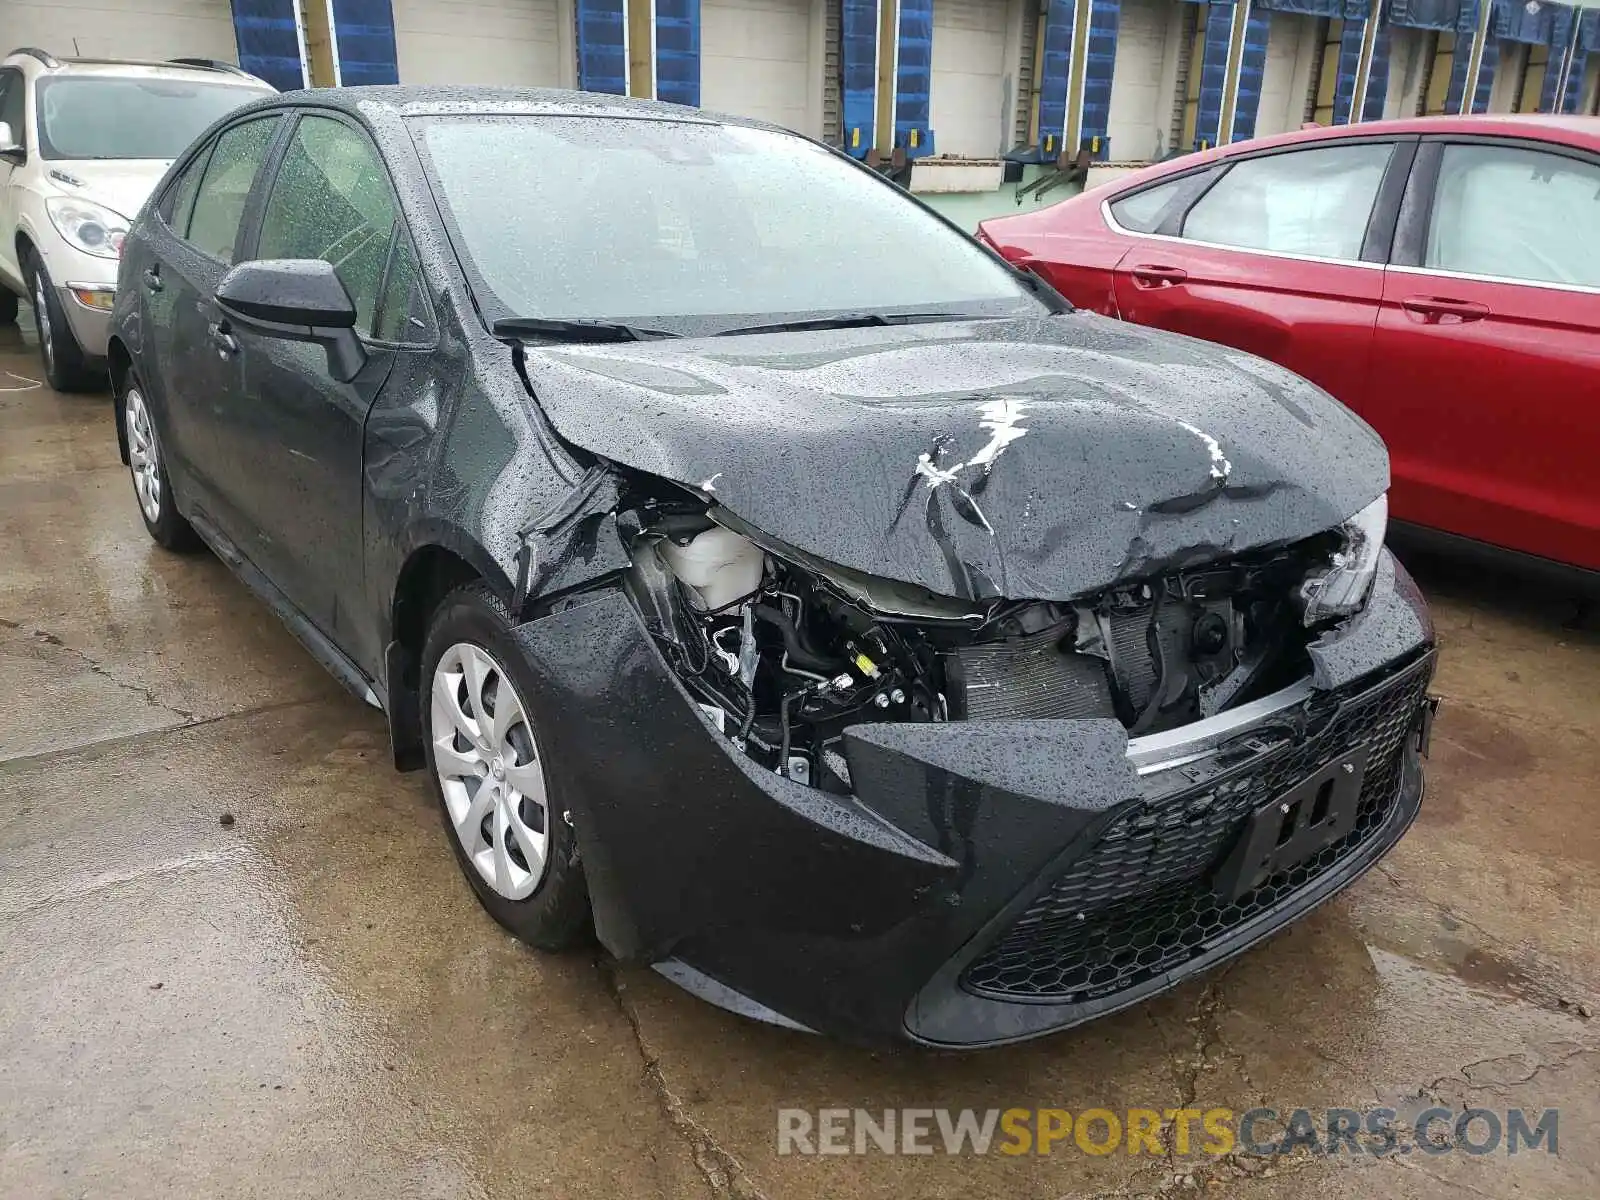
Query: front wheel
x,y
492,774
151,485
65,364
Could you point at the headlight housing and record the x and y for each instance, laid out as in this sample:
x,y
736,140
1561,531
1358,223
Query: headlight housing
x,y
1341,588
87,226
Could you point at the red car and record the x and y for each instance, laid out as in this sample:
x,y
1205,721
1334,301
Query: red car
x,y
1440,276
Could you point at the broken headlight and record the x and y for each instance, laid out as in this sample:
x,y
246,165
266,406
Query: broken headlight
x,y
1341,588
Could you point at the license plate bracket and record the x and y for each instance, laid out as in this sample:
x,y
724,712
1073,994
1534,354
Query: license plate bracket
x,y
1288,829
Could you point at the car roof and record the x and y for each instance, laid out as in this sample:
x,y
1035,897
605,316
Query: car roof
x,y
135,68
1549,127
415,100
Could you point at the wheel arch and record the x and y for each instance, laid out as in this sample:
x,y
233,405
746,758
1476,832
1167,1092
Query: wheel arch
x,y
22,243
441,559
118,363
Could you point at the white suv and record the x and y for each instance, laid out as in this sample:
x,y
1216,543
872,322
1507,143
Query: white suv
x,y
82,144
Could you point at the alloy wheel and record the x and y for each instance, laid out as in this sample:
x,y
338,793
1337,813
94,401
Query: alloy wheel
x,y
489,771
41,313
144,455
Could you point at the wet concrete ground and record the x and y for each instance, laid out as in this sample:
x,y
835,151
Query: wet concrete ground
x,y
308,1002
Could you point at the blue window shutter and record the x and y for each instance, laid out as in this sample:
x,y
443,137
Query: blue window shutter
x,y
1486,71
1461,60
268,44
1588,43
1344,87
1101,51
913,78
858,67
363,33
1424,14
1514,23
1252,64
602,64
1213,74
1312,8
1560,39
1377,77
1060,16
678,51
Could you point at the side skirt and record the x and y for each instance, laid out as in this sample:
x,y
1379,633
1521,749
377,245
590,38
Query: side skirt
x,y
1580,580
313,639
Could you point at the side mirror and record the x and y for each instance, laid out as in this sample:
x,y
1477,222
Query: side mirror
x,y
299,300
10,148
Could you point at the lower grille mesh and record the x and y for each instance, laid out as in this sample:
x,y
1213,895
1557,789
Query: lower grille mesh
x,y
1139,902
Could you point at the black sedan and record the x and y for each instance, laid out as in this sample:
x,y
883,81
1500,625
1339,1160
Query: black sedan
x,y
772,581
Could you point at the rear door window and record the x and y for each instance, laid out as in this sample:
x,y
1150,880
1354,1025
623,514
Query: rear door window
x,y
1513,213
1313,203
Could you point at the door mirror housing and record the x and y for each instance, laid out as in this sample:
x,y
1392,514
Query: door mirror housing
x,y
10,148
299,300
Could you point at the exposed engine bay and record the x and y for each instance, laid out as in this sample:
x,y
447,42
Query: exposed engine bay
x,y
783,653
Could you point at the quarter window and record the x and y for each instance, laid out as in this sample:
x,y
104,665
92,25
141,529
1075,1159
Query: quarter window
x,y
178,203
1309,202
213,226
402,316
1141,212
332,201
1516,214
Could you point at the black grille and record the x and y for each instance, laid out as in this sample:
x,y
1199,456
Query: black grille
x,y
1139,903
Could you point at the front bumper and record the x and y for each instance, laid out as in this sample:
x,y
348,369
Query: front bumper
x,y
989,881
91,325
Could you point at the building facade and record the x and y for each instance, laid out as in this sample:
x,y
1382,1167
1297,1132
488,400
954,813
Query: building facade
x,y
965,93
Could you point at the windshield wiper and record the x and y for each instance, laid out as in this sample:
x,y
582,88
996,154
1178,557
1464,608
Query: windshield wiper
x,y
578,330
858,320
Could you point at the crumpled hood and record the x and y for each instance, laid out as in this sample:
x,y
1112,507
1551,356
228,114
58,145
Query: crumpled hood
x,y
1036,458
122,185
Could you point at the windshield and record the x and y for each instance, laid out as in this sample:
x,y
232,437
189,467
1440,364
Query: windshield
x,y
109,117
697,227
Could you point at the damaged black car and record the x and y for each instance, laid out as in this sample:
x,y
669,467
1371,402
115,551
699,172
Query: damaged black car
x,y
772,581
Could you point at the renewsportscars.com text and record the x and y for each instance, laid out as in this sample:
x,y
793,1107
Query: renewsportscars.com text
x,y
1195,1131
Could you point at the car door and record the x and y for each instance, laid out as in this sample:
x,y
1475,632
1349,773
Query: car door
x,y
1489,347
1281,255
191,244
301,429
13,111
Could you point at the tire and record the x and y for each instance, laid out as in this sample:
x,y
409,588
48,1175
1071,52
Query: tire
x,y
8,307
65,365
496,838
147,465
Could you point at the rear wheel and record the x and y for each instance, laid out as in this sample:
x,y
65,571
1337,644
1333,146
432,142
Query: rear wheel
x,y
65,365
149,469
492,774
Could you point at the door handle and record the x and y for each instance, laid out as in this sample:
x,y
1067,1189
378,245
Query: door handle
x,y
152,280
1151,275
227,345
1437,310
